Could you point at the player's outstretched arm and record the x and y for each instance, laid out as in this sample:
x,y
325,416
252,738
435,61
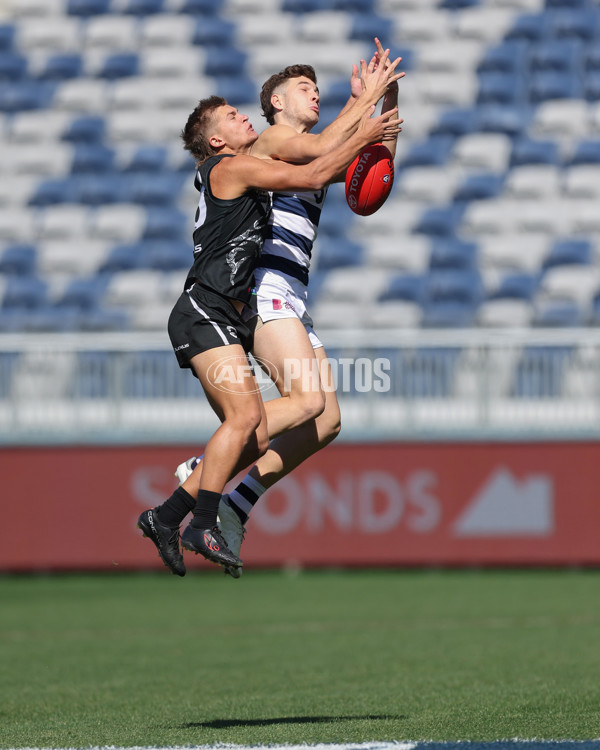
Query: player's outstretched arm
x,y
231,178
284,143
390,101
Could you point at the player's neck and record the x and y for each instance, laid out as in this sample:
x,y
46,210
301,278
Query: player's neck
x,y
299,126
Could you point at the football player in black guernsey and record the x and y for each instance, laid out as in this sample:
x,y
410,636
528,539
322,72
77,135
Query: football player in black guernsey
x,y
206,325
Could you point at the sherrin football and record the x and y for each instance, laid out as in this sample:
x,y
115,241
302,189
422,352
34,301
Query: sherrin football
x,y
369,179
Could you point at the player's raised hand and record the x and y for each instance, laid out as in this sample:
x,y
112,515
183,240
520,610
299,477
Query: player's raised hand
x,y
379,74
374,129
380,56
356,87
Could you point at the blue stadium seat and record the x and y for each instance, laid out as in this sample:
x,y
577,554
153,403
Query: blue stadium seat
x,y
544,85
211,32
566,3
586,152
224,61
440,221
560,314
160,189
431,152
198,7
508,56
479,187
99,189
147,159
54,191
13,66
449,314
92,158
120,65
458,4
85,129
123,258
84,293
87,7
337,93
510,120
7,36
26,95
366,26
561,55
167,256
19,260
500,88
165,223
569,252
350,6
519,286
304,6
338,253
237,90
591,86
580,23
334,222
455,122
454,285
62,67
529,151
25,293
406,287
453,253
143,7
591,57
529,27
540,370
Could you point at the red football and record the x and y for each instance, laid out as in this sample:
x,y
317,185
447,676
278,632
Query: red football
x,y
369,179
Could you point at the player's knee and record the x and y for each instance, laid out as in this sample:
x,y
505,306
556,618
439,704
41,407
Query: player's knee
x,y
329,429
262,441
311,406
247,423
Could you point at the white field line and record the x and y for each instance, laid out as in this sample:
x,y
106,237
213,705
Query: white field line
x,y
508,744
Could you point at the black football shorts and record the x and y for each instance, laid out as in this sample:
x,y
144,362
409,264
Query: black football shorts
x,y
203,320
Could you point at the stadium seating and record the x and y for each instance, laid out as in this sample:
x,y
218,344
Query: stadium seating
x,y
493,219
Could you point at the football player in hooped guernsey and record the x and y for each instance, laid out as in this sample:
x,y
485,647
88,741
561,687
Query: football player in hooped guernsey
x,y
206,326
304,419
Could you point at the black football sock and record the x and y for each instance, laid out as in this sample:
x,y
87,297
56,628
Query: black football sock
x,y
205,511
175,509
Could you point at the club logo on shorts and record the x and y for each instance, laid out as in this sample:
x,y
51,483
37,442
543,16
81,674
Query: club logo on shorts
x,y
280,304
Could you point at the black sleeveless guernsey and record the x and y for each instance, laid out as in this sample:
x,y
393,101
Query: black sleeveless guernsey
x,y
228,237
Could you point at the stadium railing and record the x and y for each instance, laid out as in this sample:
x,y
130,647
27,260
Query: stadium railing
x,y
392,385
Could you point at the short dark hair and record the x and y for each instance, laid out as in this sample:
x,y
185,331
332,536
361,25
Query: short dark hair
x,y
194,133
269,86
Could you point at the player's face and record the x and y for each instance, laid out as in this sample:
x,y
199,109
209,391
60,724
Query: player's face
x,y
301,101
234,128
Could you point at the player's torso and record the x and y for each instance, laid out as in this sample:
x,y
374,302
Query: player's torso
x,y
293,225
228,236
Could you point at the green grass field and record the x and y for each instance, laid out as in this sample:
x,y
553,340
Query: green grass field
x,y
150,659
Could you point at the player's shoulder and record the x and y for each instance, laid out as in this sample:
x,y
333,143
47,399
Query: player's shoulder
x,y
271,137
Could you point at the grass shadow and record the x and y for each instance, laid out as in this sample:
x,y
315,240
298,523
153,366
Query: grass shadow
x,y
229,723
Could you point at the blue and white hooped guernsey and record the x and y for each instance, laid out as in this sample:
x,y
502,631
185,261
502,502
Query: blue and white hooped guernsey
x,y
291,232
